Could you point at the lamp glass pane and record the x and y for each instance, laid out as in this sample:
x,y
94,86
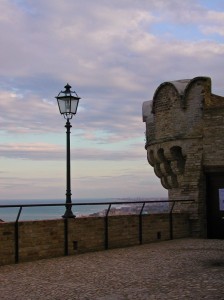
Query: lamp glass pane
x,y
64,105
74,105
67,105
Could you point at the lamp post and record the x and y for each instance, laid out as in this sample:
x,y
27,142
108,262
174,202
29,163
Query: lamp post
x,y
68,103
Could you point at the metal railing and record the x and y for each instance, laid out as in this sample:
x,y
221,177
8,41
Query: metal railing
x,y
106,216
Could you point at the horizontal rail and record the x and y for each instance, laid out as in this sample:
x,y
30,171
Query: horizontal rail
x,y
93,203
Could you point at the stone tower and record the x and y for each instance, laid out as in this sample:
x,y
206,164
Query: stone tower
x,y
185,146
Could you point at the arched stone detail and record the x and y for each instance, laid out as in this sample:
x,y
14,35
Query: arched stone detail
x,y
169,85
205,82
182,88
157,170
172,180
178,160
150,157
165,183
176,109
165,168
168,164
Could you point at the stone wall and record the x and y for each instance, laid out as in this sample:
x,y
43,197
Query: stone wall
x,y
46,239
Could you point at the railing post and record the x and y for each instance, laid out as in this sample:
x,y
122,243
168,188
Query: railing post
x,y
140,224
17,236
106,227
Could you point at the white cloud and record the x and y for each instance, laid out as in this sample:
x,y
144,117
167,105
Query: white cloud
x,y
213,30
46,151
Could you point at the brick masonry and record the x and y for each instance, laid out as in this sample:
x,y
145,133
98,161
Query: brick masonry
x,y
184,140
46,238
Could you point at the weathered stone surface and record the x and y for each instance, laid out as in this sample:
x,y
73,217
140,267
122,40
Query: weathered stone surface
x,y
46,238
180,269
183,123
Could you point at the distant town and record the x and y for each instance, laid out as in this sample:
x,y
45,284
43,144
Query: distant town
x,y
135,208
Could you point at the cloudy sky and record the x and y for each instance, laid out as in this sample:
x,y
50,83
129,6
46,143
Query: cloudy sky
x,y
114,54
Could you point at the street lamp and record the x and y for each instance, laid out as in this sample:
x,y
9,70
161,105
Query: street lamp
x,y
68,103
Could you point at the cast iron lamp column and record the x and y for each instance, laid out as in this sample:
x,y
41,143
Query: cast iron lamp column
x,y
68,103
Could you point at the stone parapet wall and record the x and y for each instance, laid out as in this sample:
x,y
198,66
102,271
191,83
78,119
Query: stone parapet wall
x,y
7,243
46,239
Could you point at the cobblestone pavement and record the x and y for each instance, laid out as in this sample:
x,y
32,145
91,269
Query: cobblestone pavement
x,y
178,269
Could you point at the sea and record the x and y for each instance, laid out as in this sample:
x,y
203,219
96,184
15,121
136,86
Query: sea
x,y
49,212
10,214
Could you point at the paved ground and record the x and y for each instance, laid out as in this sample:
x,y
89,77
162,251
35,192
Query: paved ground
x,y
178,269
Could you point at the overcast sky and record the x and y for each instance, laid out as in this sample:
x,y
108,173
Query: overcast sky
x,y
114,54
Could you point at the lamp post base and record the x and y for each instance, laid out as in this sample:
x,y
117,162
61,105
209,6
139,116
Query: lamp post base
x,y
68,214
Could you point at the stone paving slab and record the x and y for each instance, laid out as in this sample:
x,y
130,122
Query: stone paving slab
x,y
178,269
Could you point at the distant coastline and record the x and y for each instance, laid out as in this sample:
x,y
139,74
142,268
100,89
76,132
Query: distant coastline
x,y
125,209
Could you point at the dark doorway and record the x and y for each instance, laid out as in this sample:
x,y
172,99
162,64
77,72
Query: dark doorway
x,y
215,205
